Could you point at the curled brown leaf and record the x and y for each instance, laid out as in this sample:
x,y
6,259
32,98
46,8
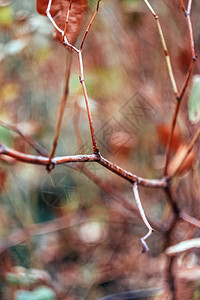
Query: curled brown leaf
x,y
59,9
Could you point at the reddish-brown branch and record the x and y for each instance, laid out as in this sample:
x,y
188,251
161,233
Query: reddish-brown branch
x,y
174,119
82,81
161,183
41,160
185,85
44,161
90,24
61,109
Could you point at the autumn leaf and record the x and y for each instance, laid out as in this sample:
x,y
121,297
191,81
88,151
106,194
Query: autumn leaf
x,y
59,9
163,131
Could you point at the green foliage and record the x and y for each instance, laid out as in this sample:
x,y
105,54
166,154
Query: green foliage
x,y
194,101
44,293
40,293
24,295
6,137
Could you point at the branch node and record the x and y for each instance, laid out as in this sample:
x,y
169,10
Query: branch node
x,y
194,57
186,13
50,166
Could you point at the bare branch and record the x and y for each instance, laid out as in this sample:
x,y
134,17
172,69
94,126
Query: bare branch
x,y
168,61
90,24
191,68
82,81
61,108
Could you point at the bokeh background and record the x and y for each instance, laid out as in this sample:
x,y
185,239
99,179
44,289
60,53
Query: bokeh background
x,y
96,249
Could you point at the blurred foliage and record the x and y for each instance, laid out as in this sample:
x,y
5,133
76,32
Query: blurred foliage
x,y
130,94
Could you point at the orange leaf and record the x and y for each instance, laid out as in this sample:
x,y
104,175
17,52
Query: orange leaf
x,y
60,9
163,131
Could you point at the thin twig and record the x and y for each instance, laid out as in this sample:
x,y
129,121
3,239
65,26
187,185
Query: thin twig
x,y
95,148
67,21
191,68
82,81
61,109
141,210
183,6
174,119
168,61
189,219
90,24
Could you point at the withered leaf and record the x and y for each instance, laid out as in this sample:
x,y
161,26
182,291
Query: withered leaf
x,y
59,9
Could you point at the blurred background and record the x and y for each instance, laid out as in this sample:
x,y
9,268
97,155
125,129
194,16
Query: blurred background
x,y
89,246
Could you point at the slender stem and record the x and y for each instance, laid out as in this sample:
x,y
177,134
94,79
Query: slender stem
x,y
185,85
51,19
82,81
189,6
61,109
141,210
168,61
183,6
88,28
189,219
67,21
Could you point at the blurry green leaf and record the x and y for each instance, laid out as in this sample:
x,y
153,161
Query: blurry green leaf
x,y
6,137
44,293
40,293
6,14
13,278
24,295
194,100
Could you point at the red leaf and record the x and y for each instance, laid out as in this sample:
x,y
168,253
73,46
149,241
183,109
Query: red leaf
x,y
163,131
60,8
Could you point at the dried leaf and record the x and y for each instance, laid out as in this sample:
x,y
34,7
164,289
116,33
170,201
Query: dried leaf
x,y
179,155
60,8
163,131
194,101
